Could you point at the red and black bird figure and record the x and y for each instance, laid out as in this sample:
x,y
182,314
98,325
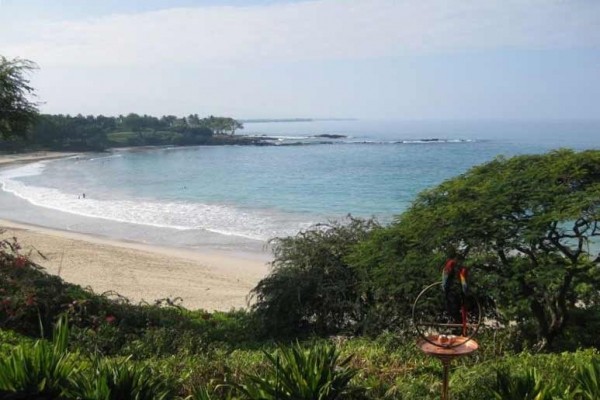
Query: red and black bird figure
x,y
463,273
448,274
456,311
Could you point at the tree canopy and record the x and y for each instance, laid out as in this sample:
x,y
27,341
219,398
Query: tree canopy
x,y
312,287
21,127
83,133
17,111
525,225
221,125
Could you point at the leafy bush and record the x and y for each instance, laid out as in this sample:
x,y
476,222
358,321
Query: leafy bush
x,y
31,301
311,287
202,394
522,224
29,298
42,369
296,373
527,386
587,377
114,379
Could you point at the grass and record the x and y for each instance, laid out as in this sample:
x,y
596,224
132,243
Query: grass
x,y
295,372
121,350
380,369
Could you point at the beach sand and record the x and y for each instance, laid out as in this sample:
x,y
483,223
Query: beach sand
x,y
203,279
141,272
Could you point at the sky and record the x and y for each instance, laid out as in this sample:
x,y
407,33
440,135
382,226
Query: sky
x,y
383,59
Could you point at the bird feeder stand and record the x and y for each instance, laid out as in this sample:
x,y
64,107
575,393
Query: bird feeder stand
x,y
445,347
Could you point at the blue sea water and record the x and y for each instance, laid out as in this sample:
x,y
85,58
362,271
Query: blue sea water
x,y
240,196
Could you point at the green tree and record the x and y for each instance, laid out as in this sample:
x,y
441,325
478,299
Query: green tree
x,y
17,111
193,120
312,288
525,225
79,133
221,125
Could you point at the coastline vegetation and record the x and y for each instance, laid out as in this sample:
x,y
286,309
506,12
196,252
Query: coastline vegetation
x,y
97,133
332,320
22,128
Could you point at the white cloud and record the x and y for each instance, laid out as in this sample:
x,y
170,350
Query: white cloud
x,y
316,30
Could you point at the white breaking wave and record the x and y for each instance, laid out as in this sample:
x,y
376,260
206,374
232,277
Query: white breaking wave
x,y
280,137
221,219
32,169
409,141
433,141
105,157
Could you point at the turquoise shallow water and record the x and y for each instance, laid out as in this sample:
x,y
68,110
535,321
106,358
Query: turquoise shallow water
x,y
232,195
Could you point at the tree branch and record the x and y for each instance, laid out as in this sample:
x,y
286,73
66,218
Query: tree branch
x,y
529,253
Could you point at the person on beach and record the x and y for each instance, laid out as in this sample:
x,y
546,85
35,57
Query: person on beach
x,y
83,195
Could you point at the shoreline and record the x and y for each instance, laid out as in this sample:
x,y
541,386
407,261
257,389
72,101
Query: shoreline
x,y
204,279
23,158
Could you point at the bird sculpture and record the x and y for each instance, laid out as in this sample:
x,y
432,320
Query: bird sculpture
x,y
463,272
448,274
450,270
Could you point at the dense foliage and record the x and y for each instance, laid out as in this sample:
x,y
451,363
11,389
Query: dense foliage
x,y
31,300
65,132
117,350
380,368
311,287
295,372
17,111
525,226
21,128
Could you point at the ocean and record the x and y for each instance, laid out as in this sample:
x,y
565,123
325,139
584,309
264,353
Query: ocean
x,y
235,198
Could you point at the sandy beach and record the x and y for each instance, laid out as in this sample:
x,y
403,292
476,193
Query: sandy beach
x,y
141,272
210,281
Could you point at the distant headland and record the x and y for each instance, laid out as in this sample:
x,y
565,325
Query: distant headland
x,y
98,133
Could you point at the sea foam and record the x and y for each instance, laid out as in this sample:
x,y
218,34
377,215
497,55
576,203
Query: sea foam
x,y
180,215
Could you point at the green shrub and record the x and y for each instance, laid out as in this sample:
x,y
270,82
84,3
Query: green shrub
x,y
527,386
41,369
293,372
523,225
588,379
31,301
123,379
312,288
206,394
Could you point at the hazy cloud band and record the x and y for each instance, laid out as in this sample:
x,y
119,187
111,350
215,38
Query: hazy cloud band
x,y
315,30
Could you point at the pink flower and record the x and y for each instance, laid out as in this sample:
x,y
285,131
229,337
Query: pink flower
x,y
110,319
20,261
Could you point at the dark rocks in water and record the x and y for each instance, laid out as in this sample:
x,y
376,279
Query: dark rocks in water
x,y
331,136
